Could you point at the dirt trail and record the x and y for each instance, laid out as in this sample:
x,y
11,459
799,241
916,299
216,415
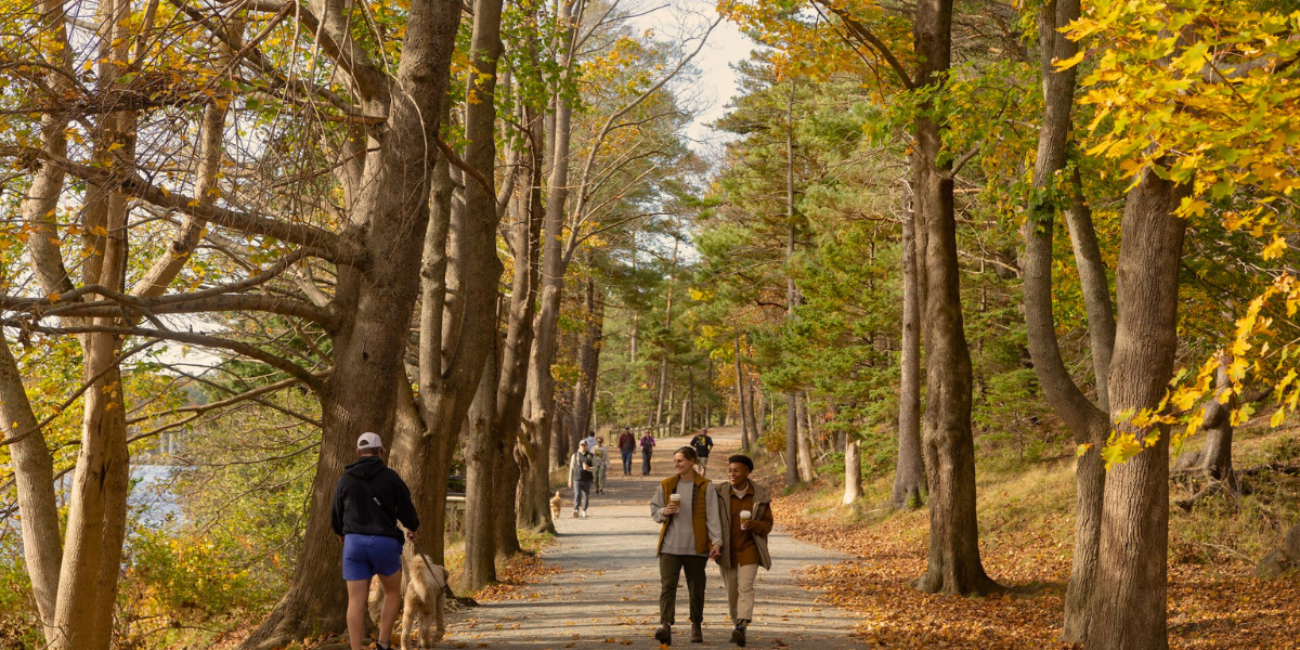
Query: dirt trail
x,y
607,592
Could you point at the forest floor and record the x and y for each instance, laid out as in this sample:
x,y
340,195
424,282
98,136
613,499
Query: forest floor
x,y
1026,527
605,593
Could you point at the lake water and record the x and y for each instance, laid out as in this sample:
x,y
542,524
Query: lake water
x,y
152,501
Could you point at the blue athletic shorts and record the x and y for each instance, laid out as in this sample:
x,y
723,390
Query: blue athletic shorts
x,y
367,555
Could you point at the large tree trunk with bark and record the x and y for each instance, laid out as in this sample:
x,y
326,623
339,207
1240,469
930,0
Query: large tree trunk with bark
x,y
1089,423
539,412
954,562
96,527
1129,611
909,473
520,450
33,468
482,449
486,445
394,208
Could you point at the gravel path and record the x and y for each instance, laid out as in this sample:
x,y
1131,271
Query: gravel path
x,y
607,593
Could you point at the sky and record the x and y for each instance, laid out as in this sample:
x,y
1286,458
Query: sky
x,y
716,83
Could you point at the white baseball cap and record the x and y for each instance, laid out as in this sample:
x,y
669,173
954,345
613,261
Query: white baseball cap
x,y
369,440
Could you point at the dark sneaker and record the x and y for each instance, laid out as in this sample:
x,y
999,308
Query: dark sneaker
x,y
738,636
697,634
664,635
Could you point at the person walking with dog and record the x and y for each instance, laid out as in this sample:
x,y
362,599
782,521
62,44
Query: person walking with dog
x,y
627,447
581,475
746,512
370,499
647,450
690,533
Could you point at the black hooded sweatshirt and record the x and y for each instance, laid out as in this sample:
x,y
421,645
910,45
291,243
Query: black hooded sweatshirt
x,y
370,499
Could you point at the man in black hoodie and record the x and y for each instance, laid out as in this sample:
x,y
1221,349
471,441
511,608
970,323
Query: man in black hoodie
x,y
369,501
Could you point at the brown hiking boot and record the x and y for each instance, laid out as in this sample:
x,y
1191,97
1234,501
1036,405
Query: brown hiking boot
x,y
697,634
664,634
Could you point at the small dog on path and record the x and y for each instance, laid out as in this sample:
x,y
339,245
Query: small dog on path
x,y
556,503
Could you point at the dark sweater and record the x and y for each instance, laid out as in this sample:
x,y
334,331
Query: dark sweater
x,y
357,511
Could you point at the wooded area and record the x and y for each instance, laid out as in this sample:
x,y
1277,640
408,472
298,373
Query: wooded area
x,y
238,233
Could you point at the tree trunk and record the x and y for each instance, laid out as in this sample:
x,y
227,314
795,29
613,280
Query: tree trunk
x,y
954,562
807,472
791,440
663,391
33,468
1129,611
96,526
792,474
588,357
909,472
1216,458
482,449
852,472
1089,423
746,428
520,450
539,412
708,399
394,204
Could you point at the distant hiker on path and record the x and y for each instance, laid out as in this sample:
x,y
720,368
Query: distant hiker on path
x,y
703,444
580,478
746,509
369,501
647,450
601,455
690,534
626,447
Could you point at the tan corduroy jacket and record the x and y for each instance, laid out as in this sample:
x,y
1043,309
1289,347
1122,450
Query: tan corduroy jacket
x,y
761,517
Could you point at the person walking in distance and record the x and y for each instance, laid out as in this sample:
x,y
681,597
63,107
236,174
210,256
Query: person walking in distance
x,y
580,477
746,511
690,533
647,450
626,447
369,501
601,456
703,444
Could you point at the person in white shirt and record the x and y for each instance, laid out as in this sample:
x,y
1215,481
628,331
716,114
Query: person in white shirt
x,y
580,478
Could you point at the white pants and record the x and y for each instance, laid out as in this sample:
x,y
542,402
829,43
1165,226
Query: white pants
x,y
740,590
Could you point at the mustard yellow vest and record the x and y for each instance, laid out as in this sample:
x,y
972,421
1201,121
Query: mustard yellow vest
x,y
699,512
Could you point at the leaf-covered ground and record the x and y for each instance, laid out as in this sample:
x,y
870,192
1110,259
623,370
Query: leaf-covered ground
x,y
1026,527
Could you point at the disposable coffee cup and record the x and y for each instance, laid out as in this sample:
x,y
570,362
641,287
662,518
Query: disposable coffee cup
x,y
675,498
745,514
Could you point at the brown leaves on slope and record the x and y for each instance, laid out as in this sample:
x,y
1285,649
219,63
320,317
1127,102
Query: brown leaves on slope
x,y
1217,608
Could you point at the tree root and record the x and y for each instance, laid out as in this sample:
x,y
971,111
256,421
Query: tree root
x,y
1211,488
1279,468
